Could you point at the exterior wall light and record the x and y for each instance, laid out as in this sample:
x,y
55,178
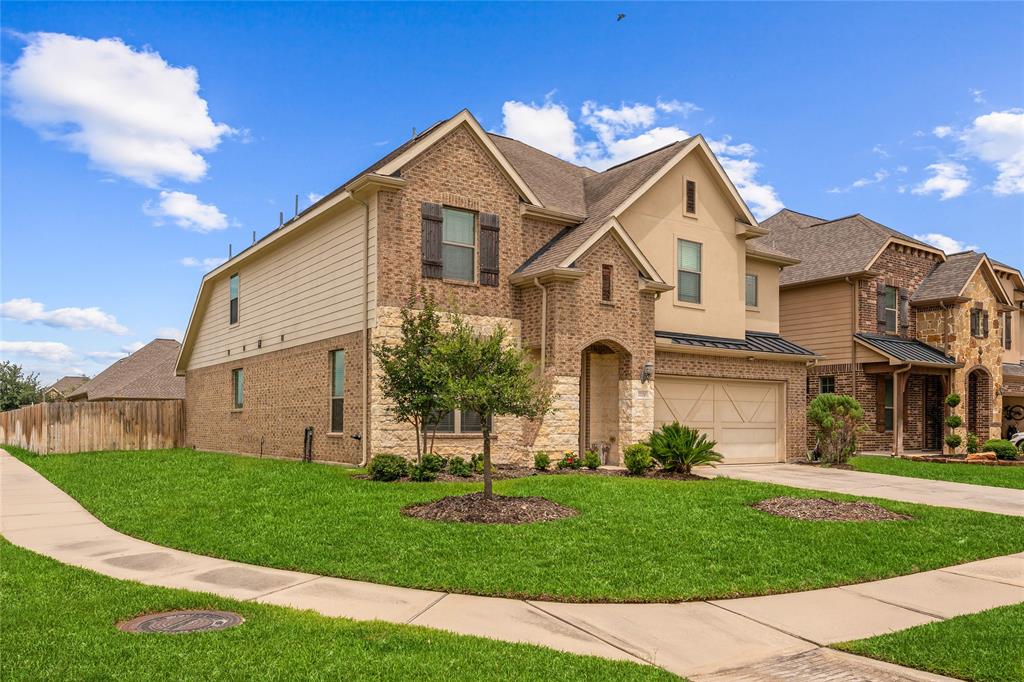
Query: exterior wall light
x,y
647,372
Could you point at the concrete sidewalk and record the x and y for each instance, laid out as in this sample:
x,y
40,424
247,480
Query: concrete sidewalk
x,y
984,498
725,640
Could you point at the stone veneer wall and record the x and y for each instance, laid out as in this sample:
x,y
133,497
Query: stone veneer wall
x,y
792,374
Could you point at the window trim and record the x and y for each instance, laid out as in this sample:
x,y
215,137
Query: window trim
x,y
237,401
457,427
233,304
333,390
895,328
821,383
687,181
475,279
699,272
757,292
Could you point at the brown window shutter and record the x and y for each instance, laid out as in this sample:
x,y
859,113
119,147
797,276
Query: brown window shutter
x,y
490,255
880,404
904,312
1007,330
880,306
984,324
433,218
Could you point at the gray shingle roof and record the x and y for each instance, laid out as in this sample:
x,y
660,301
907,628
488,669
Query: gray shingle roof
x,y
557,183
66,385
948,279
146,374
755,342
908,350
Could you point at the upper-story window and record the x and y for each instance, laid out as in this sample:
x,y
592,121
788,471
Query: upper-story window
x,y
751,291
606,283
337,391
892,300
979,323
237,388
458,245
688,271
233,305
690,197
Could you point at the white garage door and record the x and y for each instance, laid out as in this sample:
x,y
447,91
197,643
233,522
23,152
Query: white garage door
x,y
745,417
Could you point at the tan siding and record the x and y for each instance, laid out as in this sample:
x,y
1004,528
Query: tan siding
x,y
819,318
307,290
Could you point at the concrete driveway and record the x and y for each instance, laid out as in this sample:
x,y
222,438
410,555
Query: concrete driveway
x,y
901,488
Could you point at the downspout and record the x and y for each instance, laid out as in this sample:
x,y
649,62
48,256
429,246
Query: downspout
x,y
897,410
543,323
364,345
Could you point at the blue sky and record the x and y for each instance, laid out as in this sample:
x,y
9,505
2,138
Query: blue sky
x,y
137,137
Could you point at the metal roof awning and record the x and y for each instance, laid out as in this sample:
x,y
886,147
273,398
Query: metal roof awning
x,y
907,350
754,342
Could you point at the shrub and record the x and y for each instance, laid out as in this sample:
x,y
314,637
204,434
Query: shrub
x,y
972,443
388,467
953,399
421,474
541,460
837,420
680,448
459,467
570,460
434,463
954,421
592,460
953,440
477,462
1004,449
637,458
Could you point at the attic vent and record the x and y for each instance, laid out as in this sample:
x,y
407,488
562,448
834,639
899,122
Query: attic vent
x,y
691,197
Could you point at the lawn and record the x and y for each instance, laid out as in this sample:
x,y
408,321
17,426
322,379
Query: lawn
x,y
986,646
634,539
59,624
1000,476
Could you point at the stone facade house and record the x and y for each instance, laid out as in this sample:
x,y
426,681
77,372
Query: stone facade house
x,y
636,291
899,325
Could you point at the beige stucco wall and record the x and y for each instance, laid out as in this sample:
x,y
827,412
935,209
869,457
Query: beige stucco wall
x,y
656,220
1014,354
765,316
306,289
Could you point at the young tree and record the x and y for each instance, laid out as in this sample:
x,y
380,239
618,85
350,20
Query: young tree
x,y
484,376
411,380
836,419
16,387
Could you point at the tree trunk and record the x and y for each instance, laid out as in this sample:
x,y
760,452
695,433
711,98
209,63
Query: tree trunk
x,y
488,493
419,450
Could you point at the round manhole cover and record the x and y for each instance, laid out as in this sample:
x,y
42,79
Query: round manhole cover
x,y
180,622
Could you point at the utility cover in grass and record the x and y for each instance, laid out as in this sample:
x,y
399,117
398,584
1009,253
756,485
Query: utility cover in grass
x,y
820,509
475,508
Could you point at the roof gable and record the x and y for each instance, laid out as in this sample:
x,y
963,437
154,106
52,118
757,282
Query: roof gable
x,y
148,373
950,279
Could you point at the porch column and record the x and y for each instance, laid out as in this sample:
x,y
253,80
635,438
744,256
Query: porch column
x,y
901,377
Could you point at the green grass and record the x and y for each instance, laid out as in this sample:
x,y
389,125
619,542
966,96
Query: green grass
x,y
634,539
999,476
59,624
986,646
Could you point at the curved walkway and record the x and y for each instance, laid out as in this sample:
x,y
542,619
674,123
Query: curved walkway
x,y
723,640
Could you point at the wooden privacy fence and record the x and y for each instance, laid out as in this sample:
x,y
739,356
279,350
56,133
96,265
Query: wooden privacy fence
x,y
102,425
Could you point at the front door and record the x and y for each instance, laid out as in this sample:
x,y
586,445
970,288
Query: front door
x,y
933,411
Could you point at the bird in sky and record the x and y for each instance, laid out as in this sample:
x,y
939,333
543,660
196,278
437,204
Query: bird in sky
x,y
620,17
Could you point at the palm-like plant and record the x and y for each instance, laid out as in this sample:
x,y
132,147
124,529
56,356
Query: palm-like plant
x,y
679,448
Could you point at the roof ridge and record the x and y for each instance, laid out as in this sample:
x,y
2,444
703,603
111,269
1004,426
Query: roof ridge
x,y
645,154
806,215
538,149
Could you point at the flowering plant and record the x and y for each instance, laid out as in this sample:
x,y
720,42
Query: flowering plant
x,y
570,460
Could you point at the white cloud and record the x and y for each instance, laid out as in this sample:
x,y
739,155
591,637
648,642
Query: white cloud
x,y
901,169
186,211
881,151
919,133
132,347
949,179
610,123
51,351
998,138
128,110
205,263
620,150
105,354
170,333
942,131
674,106
762,198
878,177
976,95
313,197
546,126
945,242
27,310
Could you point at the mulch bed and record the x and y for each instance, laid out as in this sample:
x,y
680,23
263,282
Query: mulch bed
x,y
825,465
475,508
820,509
943,459
508,472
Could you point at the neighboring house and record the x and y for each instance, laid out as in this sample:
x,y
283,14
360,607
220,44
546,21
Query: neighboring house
x,y
146,374
633,289
899,325
62,388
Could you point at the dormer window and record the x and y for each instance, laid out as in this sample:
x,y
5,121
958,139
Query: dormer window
x,y
690,197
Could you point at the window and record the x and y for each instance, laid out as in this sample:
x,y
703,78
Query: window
x,y
606,283
1008,330
238,388
888,404
337,391
891,302
826,384
458,245
690,198
233,313
688,271
979,323
457,422
752,290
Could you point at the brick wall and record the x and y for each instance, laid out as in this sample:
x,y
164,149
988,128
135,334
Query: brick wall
x,y
901,266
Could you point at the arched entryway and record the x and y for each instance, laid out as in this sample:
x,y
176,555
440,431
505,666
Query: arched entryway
x,y
979,402
603,364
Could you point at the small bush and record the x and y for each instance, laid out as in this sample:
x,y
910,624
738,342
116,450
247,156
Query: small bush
x,y
434,463
457,466
570,460
541,460
388,467
637,458
477,462
680,448
592,460
972,443
1004,449
953,399
953,440
954,421
421,474
836,419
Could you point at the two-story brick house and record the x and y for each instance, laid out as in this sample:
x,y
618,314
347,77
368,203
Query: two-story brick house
x,y
635,290
899,325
